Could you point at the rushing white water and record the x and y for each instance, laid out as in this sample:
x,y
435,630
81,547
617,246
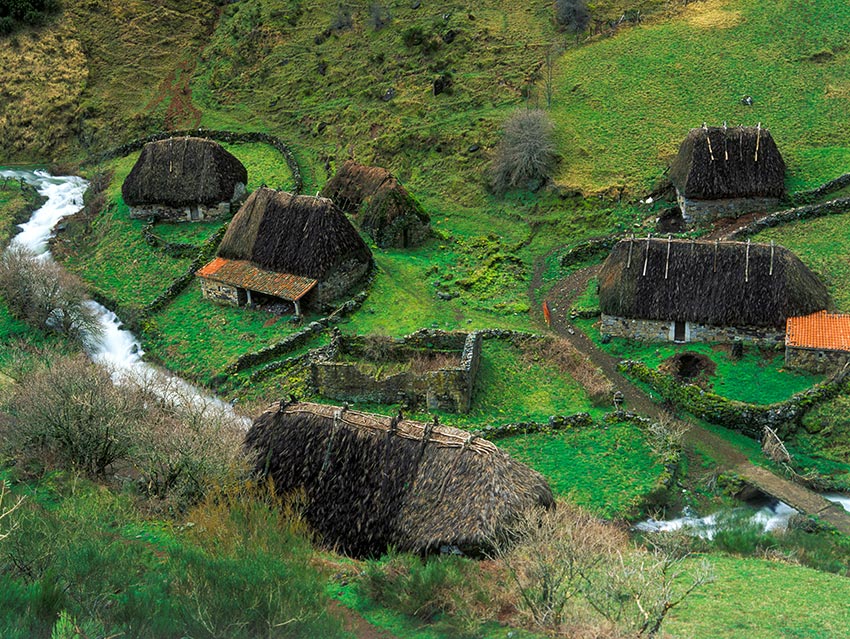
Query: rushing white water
x,y
772,517
115,347
838,498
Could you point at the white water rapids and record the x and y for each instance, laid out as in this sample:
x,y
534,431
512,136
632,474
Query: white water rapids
x,y
115,348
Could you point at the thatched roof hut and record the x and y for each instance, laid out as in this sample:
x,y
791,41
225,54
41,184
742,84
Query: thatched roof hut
x,y
726,162
307,237
716,165
713,283
373,481
383,207
184,172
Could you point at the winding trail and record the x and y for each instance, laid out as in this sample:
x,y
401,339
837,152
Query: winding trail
x,y
727,456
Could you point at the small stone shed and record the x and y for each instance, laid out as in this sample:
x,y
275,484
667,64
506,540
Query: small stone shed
x,y
661,289
281,246
372,481
184,180
449,388
724,172
381,205
819,343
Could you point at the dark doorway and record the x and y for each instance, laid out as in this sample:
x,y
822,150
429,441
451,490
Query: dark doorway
x,y
679,332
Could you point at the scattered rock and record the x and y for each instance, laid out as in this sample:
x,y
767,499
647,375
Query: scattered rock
x,y
415,4
473,148
388,95
449,36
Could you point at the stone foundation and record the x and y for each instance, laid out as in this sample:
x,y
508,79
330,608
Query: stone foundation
x,y
704,211
448,389
664,331
222,293
194,213
815,360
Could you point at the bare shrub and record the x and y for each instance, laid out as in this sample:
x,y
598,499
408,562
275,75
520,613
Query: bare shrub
x,y
43,294
572,15
71,412
186,443
569,360
8,505
378,347
666,436
526,156
426,362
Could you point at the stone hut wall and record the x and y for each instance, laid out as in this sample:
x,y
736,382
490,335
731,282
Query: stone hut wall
x,y
448,389
341,281
701,211
815,360
222,293
662,331
194,213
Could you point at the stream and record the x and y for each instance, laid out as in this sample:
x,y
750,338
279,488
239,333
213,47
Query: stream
x,y
115,348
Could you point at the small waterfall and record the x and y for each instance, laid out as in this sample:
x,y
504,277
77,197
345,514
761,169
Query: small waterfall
x,y
115,348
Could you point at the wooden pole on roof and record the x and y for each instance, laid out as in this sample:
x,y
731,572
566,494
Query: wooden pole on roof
x,y
747,264
667,262
631,241
716,248
740,142
758,139
725,143
771,257
708,141
646,256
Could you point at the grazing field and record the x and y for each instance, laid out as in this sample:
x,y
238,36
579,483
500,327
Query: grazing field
x,y
823,244
608,469
761,599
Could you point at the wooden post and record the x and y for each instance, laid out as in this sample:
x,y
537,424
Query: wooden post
x,y
646,257
667,262
747,264
248,291
629,261
297,308
771,257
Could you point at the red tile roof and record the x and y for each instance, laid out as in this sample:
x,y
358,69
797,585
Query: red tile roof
x,y
822,330
243,274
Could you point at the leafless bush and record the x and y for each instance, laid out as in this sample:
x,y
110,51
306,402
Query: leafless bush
x,y
565,561
526,156
8,505
666,436
378,347
71,411
43,294
426,362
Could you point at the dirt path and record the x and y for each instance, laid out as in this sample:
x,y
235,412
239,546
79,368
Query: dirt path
x,y
357,625
726,455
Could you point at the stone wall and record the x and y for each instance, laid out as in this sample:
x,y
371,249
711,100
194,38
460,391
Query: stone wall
x,y
702,211
341,281
222,293
194,213
815,360
662,331
448,389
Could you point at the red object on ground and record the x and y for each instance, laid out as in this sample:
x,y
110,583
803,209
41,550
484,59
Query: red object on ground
x,y
547,315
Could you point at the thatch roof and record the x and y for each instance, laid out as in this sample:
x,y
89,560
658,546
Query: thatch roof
x,y
296,234
375,195
715,283
373,481
720,163
181,172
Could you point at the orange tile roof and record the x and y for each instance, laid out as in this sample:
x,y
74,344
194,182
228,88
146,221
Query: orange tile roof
x,y
819,330
245,275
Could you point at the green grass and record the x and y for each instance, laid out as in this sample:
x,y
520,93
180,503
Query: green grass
x,y
189,233
761,599
624,104
607,469
265,165
823,244
11,202
758,377
199,338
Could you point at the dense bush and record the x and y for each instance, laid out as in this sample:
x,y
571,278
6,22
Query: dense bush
x,y
88,560
572,14
526,156
15,14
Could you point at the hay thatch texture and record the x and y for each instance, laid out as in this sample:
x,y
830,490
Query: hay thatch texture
x,y
708,282
717,163
181,172
372,481
294,234
383,206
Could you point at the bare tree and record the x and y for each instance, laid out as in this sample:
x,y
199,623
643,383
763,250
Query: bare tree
x,y
526,156
43,294
7,507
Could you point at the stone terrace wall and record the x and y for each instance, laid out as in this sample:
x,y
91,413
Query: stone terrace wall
x,y
815,360
448,389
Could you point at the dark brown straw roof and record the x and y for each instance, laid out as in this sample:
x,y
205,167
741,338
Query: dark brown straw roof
x,y
719,163
721,284
183,172
295,234
373,481
385,198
